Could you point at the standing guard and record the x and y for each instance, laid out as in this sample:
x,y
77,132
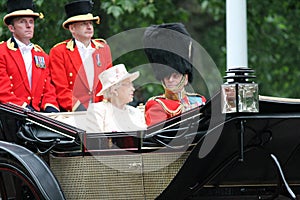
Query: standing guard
x,y
24,72
76,63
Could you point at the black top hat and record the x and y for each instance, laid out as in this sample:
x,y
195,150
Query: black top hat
x,y
79,11
17,8
169,49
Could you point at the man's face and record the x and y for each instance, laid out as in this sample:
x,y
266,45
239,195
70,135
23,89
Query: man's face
x,y
22,28
172,81
82,30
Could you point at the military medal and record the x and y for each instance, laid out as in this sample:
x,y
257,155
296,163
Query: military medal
x,y
40,61
98,60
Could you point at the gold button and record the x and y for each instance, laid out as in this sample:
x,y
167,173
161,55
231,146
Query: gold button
x,y
29,98
71,74
12,92
10,77
11,85
71,82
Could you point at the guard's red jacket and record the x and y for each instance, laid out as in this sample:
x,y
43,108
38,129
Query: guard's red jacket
x,y
69,77
14,84
160,108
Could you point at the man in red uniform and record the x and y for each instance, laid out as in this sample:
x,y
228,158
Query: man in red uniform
x,y
169,50
24,72
76,63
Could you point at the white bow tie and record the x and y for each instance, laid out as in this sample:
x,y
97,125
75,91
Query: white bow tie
x,y
26,48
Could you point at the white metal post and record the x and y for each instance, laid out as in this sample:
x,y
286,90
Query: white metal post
x,y
236,34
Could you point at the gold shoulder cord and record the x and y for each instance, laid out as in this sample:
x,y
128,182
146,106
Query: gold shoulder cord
x,y
172,112
64,42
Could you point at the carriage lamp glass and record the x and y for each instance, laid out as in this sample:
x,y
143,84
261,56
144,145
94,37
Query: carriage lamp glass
x,y
241,97
241,94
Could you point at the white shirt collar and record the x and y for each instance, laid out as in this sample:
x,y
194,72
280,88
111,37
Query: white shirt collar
x,y
80,45
21,44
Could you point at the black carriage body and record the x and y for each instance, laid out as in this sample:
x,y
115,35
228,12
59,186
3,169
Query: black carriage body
x,y
203,154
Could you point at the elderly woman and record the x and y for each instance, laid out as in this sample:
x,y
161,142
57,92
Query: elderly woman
x,y
113,114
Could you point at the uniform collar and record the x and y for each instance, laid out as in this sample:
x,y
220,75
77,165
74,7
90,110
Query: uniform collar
x,y
174,96
12,44
71,44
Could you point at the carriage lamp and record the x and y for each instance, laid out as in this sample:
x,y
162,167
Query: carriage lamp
x,y
240,93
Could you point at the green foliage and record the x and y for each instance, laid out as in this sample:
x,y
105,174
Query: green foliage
x,y
273,33
274,41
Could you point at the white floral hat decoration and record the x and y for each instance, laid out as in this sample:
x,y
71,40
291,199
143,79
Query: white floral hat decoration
x,y
115,75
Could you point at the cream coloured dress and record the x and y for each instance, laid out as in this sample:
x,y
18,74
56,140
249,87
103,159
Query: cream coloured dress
x,y
104,117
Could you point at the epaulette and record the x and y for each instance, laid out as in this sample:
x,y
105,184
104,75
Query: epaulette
x,y
1,42
64,42
98,43
101,40
37,48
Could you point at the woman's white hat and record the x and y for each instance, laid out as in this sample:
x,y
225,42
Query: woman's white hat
x,y
115,75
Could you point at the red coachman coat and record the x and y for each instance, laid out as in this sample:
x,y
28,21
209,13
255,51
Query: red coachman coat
x,y
14,84
69,77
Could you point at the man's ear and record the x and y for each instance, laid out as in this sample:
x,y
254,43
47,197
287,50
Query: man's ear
x,y
71,28
186,79
11,28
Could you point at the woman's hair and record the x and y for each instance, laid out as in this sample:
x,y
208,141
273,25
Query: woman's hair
x,y
108,94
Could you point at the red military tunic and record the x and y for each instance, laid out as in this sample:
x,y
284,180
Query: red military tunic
x,y
14,84
160,108
69,77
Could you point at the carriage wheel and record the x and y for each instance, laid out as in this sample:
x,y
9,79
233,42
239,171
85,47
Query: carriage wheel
x,y
16,183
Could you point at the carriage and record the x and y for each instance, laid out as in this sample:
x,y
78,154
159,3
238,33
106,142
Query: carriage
x,y
204,153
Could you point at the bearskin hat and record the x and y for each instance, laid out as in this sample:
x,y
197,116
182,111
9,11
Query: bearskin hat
x,y
168,48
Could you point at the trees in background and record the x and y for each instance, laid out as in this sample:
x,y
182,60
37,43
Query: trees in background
x,y
273,32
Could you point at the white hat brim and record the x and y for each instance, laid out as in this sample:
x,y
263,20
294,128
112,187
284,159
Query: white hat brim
x,y
132,77
80,18
17,13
